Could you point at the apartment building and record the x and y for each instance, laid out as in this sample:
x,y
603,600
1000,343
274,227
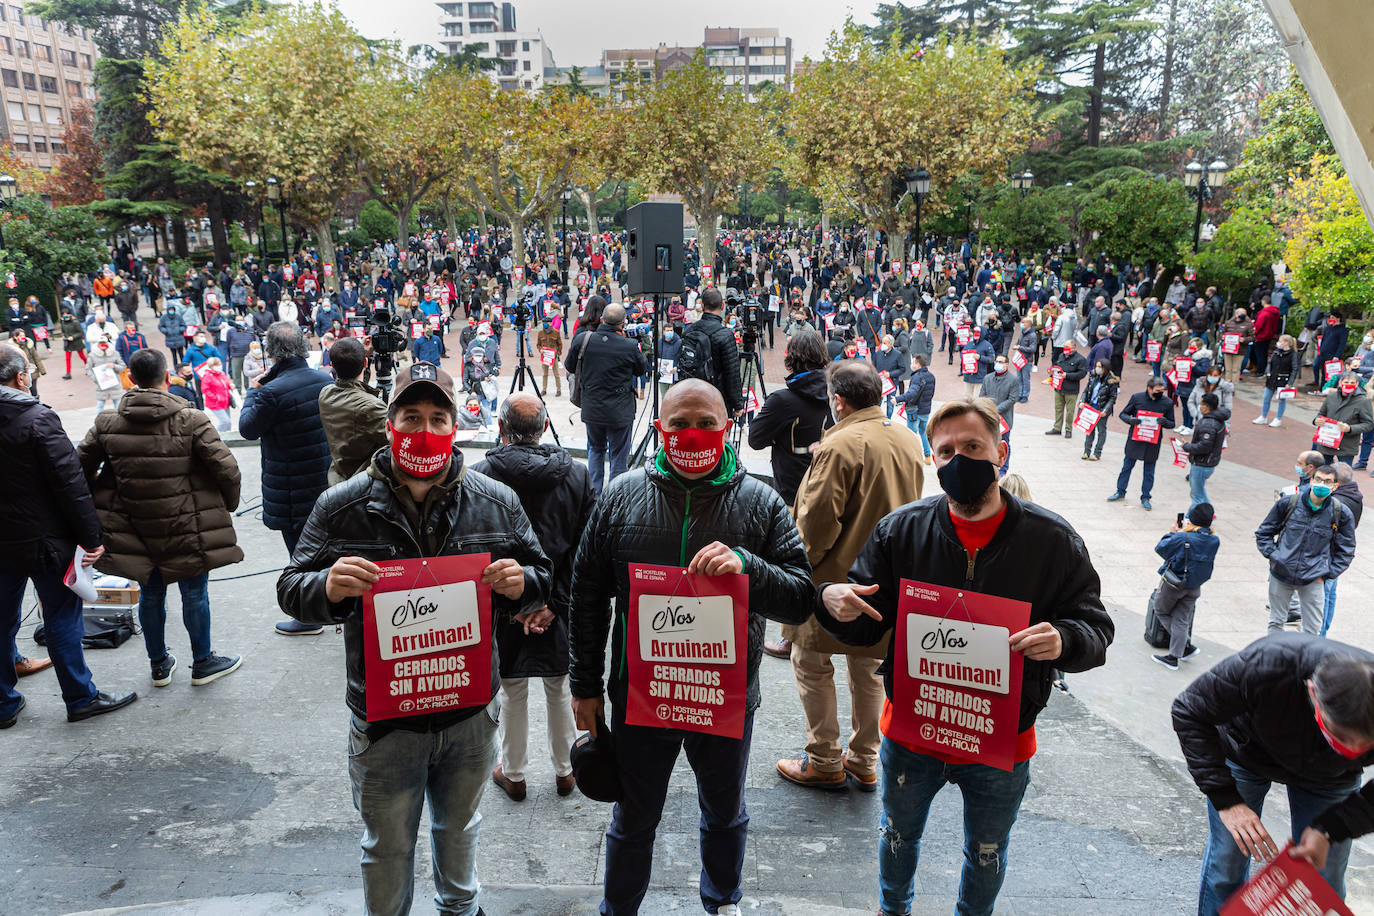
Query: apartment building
x,y
746,58
521,57
46,69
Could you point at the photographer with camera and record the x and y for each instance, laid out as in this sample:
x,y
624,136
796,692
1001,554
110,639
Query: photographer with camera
x,y
709,352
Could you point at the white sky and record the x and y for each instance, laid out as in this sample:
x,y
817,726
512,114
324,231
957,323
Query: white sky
x,y
577,31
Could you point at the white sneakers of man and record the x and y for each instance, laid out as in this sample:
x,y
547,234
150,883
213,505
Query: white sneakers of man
x,y
1263,421
1260,421
1276,423
730,909
1184,430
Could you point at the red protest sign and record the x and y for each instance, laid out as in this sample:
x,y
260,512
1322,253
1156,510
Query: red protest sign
x,y
1284,887
1329,434
1180,456
962,334
417,330
1332,368
686,647
1018,360
1230,344
956,684
1183,369
1086,418
434,321
329,270
1056,378
1147,430
547,355
1152,350
888,387
1287,394
427,637
968,361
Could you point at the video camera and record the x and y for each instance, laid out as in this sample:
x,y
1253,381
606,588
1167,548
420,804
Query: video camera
x,y
750,313
384,328
522,311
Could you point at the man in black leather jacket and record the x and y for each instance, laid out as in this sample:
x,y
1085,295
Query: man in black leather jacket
x,y
716,521
385,514
980,539
1294,709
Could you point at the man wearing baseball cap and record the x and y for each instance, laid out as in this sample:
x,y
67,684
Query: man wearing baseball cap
x,y
415,499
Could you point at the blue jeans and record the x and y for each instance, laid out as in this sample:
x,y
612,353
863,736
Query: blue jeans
x,y
645,757
1197,485
607,443
1147,481
195,614
63,626
391,779
992,799
1264,406
918,426
1366,446
1225,866
1329,607
1025,373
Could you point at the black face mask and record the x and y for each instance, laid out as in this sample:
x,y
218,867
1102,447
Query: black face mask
x,y
966,479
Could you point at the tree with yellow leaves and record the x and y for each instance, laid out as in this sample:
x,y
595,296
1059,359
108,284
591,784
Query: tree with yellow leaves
x,y
865,114
274,94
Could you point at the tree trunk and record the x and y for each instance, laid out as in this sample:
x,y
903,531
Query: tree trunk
x,y
327,256
708,221
1167,84
550,238
1095,95
517,250
482,219
179,238
450,219
219,238
589,204
403,230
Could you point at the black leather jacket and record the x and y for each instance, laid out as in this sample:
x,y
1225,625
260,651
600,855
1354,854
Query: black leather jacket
x,y
650,516
1035,557
362,517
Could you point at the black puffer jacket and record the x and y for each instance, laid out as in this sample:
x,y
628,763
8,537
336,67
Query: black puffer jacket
x,y
1253,709
650,516
1209,436
790,421
285,414
47,509
606,369
362,517
556,493
1065,591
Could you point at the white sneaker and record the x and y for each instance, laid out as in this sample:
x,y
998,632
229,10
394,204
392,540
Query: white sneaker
x,y
1275,423
1184,430
1260,421
730,909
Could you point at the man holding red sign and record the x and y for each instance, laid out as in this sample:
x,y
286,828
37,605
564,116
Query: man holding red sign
x,y
1294,709
679,565
976,645
406,556
1146,414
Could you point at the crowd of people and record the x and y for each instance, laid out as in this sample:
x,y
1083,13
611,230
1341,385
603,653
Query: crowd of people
x,y
356,477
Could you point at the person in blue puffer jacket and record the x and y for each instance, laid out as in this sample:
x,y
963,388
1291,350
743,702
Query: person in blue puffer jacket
x,y
1189,554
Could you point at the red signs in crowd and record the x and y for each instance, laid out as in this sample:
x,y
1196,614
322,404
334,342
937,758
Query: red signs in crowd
x,y
686,646
417,330
1287,394
963,334
752,402
1183,370
547,355
968,361
427,637
1147,430
329,270
1018,360
956,684
1286,887
888,387
1329,434
1152,350
1332,368
1230,344
1180,456
1056,378
1086,418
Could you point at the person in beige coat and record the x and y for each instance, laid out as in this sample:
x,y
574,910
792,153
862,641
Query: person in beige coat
x,y
864,467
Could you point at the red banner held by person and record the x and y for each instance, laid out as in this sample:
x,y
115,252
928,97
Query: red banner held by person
x,y
1286,887
956,684
427,637
686,646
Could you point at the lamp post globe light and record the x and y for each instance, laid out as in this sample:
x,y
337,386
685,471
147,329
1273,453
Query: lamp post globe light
x,y
274,194
1201,180
1023,181
9,190
918,186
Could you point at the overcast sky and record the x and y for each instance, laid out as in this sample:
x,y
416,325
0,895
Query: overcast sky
x,y
577,31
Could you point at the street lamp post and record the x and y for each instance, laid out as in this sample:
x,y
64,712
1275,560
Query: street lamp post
x,y
250,187
563,254
9,189
918,186
1023,181
1200,181
275,195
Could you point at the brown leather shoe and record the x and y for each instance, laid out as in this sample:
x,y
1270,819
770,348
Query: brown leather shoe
x,y
864,782
516,790
566,784
782,648
26,666
803,773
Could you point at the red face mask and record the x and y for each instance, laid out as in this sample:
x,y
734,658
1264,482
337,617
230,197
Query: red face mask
x,y
694,450
1345,750
420,454
1347,389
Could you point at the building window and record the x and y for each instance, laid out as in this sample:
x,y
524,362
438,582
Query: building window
x,y
2,14
527,65
505,48
21,142
11,78
452,9
59,148
15,110
90,91
40,144
453,30
36,22
524,46
43,52
17,15
85,61
73,89
49,84
68,57
30,81
36,113
21,48
52,115
481,10
481,28
5,46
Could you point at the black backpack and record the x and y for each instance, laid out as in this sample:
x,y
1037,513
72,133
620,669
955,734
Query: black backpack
x,y
694,359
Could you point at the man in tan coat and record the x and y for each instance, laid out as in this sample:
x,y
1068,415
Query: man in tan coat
x,y
164,485
864,467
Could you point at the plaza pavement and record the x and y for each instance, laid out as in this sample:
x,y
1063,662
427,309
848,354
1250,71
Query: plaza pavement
x,y
233,799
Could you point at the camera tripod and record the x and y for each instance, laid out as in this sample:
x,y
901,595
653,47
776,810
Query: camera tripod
x,y
524,373
751,371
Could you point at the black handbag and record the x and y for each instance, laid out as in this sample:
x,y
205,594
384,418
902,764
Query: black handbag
x,y
1173,578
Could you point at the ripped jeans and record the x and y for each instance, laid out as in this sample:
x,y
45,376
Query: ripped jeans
x,y
992,798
